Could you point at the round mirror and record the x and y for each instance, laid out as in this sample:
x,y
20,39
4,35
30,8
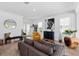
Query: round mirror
x,y
10,24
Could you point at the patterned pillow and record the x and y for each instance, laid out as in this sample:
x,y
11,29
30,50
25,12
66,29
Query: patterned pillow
x,y
59,50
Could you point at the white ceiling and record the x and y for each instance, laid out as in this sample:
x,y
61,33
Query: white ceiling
x,y
37,9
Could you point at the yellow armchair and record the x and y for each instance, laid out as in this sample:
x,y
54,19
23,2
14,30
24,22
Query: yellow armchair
x,y
36,36
71,42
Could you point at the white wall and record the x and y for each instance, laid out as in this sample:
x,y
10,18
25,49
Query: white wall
x,y
6,15
72,17
77,20
70,14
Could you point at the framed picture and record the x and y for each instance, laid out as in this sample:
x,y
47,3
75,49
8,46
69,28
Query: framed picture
x,y
51,24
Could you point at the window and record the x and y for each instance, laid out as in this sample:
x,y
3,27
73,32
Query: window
x,y
40,25
64,24
27,29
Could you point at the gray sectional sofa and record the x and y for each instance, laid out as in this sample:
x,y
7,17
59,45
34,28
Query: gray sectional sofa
x,y
29,47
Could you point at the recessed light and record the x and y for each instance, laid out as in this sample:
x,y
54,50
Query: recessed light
x,y
26,2
34,10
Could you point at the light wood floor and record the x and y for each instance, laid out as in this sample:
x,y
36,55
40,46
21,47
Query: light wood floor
x,y
10,49
72,52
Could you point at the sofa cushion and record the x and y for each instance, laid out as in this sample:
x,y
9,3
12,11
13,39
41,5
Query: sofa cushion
x,y
59,50
29,41
44,48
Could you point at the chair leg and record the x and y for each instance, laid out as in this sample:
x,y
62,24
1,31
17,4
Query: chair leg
x,y
5,41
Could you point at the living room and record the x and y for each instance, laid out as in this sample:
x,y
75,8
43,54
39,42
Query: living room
x,y
39,29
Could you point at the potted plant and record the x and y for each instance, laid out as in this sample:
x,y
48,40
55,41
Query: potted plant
x,y
70,32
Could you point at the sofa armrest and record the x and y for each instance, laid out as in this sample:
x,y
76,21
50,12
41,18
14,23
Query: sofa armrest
x,y
23,49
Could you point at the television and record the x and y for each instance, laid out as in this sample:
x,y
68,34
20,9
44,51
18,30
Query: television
x,y
48,35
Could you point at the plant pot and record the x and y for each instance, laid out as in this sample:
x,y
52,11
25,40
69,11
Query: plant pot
x,y
60,40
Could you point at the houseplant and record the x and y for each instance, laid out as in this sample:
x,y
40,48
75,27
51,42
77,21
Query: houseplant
x,y
70,38
69,32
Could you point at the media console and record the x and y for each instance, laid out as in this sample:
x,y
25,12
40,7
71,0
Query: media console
x,y
48,35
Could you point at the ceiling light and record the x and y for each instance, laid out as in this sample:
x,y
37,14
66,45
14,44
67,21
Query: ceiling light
x,y
26,2
34,10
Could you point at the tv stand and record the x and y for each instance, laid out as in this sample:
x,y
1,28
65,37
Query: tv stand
x,y
49,35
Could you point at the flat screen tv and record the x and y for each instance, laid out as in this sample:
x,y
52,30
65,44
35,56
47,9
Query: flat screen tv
x,y
48,35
